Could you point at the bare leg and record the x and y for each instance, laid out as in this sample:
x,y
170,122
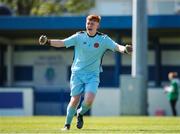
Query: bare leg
x,y
71,109
85,106
87,103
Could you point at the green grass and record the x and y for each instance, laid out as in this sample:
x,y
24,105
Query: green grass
x,y
119,125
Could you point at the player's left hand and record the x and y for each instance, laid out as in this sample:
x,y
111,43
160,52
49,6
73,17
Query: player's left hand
x,y
128,49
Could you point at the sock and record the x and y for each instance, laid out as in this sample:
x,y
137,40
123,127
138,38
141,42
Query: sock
x,y
70,114
84,108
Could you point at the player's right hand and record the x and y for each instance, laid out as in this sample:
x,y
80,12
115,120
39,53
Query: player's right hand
x,y
43,40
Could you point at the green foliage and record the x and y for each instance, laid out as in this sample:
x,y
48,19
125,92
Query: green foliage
x,y
48,7
79,5
20,7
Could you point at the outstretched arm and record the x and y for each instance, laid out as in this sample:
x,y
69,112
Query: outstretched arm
x,y
127,49
43,40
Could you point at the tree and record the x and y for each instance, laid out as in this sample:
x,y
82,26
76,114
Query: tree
x,y
48,7
20,7
78,6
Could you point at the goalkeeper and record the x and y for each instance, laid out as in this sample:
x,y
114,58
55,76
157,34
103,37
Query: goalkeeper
x,y
89,47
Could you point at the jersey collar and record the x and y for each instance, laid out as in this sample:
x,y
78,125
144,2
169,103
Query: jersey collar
x,y
91,36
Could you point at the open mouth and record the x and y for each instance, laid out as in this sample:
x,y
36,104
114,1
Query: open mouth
x,y
90,29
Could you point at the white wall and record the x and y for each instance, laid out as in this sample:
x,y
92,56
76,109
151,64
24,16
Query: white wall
x,y
115,7
124,7
170,58
107,102
157,100
28,102
163,6
28,58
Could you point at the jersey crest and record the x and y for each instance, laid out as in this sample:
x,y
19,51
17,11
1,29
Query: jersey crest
x,y
96,45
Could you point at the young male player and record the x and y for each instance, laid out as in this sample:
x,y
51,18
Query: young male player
x,y
89,47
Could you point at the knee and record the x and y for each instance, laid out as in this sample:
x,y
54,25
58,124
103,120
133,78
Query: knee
x,y
74,101
88,102
89,98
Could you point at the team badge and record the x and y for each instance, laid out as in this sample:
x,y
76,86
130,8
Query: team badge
x,y
96,45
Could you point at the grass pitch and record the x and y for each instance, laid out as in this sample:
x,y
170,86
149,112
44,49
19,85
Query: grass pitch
x,y
94,125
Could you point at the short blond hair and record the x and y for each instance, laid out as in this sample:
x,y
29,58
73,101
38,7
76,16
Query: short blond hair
x,y
94,17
